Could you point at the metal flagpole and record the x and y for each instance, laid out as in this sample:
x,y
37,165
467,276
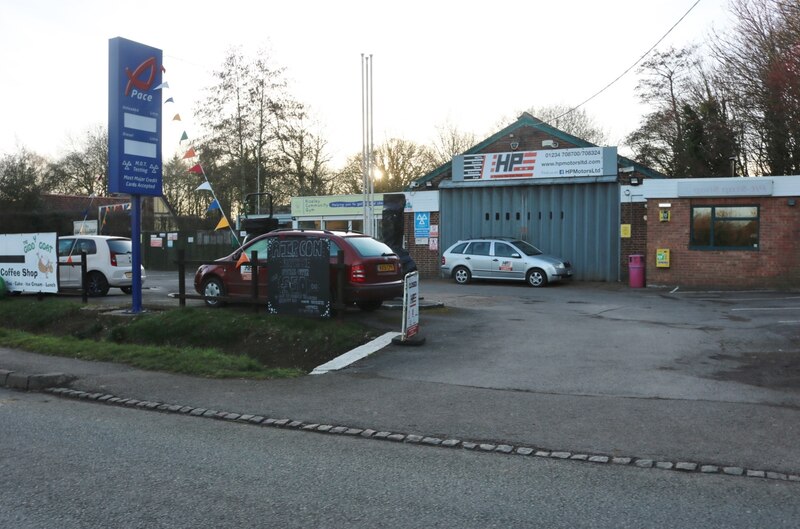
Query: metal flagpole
x,y
364,190
373,221
367,146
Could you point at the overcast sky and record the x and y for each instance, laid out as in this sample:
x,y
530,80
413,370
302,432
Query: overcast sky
x,y
464,62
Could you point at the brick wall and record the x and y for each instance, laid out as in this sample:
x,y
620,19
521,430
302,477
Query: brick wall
x,y
633,213
427,260
775,264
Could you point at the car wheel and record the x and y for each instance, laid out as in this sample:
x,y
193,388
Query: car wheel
x,y
98,284
536,278
462,275
126,290
213,288
369,306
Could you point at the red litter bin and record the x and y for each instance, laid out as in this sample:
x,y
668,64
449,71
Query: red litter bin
x,y
636,271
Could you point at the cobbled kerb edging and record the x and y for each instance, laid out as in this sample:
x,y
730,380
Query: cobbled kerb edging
x,y
602,459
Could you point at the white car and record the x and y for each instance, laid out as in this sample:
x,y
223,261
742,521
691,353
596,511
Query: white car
x,y
503,258
108,263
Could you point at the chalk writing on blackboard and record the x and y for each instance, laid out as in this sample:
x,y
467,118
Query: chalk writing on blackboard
x,y
298,275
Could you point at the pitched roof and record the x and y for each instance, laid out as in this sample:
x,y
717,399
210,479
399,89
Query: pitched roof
x,y
527,120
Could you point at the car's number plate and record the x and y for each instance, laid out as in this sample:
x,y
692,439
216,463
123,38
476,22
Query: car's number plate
x,y
386,267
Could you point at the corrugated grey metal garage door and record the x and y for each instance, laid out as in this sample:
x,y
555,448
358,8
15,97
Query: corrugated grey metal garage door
x,y
579,222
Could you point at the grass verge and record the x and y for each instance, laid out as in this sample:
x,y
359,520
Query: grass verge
x,y
210,343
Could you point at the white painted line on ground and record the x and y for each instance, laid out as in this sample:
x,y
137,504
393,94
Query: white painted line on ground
x,y
789,321
356,354
767,308
741,299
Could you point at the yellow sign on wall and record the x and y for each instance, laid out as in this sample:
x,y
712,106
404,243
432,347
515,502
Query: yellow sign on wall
x,y
625,231
662,258
664,215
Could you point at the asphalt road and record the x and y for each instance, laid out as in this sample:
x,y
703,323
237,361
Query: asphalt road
x,y
710,378
74,464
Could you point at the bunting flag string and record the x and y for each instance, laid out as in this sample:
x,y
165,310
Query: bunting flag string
x,y
197,168
121,207
223,223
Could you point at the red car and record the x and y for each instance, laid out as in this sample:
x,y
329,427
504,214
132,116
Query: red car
x,y
372,270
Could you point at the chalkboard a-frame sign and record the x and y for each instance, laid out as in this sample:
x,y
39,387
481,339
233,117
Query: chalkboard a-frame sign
x,y
298,275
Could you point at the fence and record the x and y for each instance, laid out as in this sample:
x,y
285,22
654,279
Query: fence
x,y
160,249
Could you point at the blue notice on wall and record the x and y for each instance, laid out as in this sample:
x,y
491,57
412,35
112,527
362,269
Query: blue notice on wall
x,y
422,224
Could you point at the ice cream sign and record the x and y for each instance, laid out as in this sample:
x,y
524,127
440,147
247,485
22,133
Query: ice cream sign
x,y
29,262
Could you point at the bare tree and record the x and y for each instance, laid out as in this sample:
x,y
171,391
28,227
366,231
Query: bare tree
x,y
577,122
301,159
83,170
675,136
349,179
398,163
179,186
449,142
759,65
240,115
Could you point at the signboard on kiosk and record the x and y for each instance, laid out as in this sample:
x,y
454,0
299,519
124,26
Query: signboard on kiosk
x,y
134,118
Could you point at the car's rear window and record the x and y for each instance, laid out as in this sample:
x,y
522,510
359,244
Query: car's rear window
x,y
119,245
369,247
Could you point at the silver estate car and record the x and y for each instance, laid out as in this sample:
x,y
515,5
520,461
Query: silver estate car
x,y
503,258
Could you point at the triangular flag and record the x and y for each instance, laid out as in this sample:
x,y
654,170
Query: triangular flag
x,y
204,186
223,223
196,169
169,100
162,85
189,154
214,205
69,259
243,259
177,117
184,136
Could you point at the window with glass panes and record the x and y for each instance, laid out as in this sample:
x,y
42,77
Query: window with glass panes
x,y
725,227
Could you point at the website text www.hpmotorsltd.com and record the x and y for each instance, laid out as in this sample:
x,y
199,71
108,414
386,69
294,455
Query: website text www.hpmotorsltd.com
x,y
584,167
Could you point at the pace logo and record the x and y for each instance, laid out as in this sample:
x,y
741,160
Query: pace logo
x,y
136,84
